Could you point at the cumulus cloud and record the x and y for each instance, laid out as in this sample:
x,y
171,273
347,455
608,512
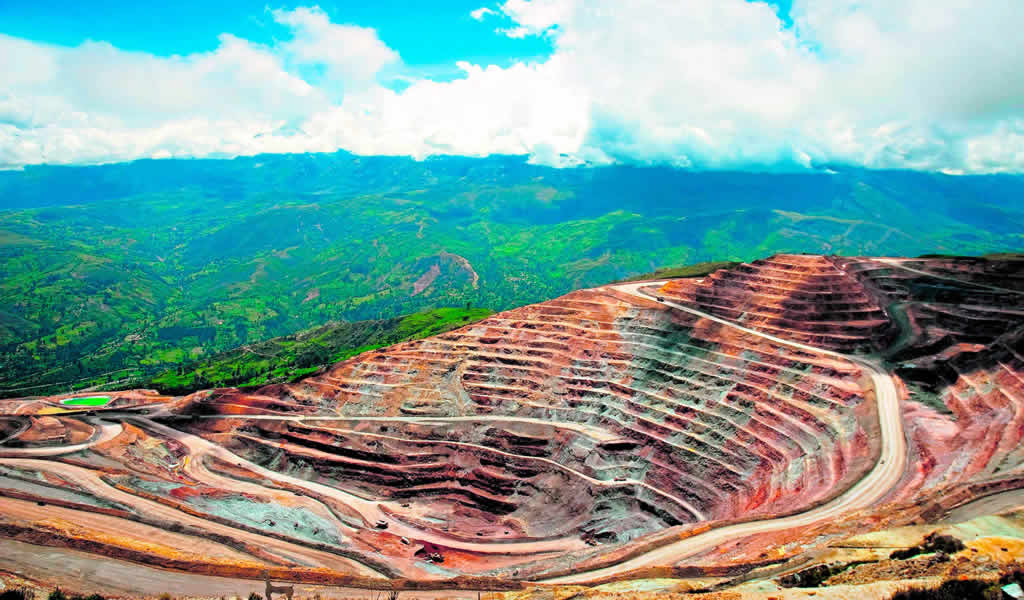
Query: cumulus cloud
x,y
95,103
353,55
481,12
539,16
719,84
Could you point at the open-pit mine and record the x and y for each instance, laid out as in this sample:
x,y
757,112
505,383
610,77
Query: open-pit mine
x,y
703,428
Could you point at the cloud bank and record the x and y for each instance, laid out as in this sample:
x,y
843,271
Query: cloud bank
x,y
713,84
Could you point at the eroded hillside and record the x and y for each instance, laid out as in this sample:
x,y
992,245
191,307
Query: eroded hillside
x,y
789,402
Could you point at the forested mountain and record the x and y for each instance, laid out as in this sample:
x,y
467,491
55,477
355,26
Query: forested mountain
x,y
121,272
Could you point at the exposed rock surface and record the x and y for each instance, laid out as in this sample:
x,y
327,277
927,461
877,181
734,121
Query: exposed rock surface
x,y
571,434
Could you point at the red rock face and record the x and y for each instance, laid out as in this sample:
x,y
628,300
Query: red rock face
x,y
961,353
955,312
52,431
579,431
809,299
602,417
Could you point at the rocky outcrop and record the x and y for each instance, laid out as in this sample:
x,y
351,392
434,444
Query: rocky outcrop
x,y
803,298
652,418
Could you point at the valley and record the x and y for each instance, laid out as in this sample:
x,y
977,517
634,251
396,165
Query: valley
x,y
140,274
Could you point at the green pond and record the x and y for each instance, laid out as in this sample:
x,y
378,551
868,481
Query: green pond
x,y
87,401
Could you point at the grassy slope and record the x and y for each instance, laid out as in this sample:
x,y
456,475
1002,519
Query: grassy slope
x,y
294,356
697,270
112,275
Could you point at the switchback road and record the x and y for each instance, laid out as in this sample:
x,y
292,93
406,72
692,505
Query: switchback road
x,y
864,494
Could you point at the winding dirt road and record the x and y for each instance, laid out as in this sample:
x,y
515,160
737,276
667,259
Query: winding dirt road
x,y
865,493
22,428
104,433
426,420
900,263
595,433
86,572
481,448
369,510
294,553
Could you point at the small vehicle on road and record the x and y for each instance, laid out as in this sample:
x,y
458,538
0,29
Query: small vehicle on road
x,y
381,524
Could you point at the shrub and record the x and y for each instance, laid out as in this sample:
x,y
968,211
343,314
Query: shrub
x,y
255,596
815,576
17,594
57,594
946,544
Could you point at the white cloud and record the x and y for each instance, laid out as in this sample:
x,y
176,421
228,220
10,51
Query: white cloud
x,y
353,55
95,103
480,13
1000,150
716,84
538,16
514,32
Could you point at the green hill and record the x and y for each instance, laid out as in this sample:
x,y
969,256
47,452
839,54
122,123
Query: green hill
x,y
291,357
114,274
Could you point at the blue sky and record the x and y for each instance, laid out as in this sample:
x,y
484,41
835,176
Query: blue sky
x,y
700,84
429,36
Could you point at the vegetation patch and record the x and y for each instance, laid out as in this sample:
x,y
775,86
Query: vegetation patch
x,y
934,542
59,594
299,355
817,575
113,274
696,270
